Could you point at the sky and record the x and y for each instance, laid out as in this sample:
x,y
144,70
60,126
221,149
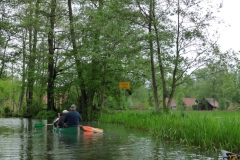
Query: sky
x,y
230,36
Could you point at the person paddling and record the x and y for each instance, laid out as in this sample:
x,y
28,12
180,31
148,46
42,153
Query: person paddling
x,y
73,118
61,119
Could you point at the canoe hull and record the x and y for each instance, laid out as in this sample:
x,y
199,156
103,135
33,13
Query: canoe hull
x,y
229,155
70,130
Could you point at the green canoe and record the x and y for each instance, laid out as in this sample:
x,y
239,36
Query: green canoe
x,y
70,130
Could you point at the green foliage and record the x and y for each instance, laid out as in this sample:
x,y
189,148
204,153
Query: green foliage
x,y
22,112
46,114
222,105
111,103
181,107
95,114
5,90
112,46
180,104
140,98
7,110
192,34
194,107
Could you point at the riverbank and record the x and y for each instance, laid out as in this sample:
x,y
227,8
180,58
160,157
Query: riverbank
x,y
211,130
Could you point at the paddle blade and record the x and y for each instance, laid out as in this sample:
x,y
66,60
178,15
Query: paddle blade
x,y
91,129
87,128
39,125
97,130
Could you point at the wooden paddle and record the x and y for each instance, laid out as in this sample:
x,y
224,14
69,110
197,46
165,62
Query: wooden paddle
x,y
91,129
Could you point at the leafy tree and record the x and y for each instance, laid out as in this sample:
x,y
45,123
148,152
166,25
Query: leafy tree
x,y
188,38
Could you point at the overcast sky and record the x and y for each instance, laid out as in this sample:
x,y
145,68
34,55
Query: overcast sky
x,y
230,36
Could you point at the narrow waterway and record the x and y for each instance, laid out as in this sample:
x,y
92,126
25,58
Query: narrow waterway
x,y
19,140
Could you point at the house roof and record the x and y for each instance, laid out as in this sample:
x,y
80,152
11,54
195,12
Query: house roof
x,y
189,101
212,101
230,108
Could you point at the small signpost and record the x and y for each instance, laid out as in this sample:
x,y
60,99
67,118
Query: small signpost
x,y
124,85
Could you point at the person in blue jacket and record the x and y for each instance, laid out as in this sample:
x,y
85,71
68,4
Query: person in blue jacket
x,y
72,118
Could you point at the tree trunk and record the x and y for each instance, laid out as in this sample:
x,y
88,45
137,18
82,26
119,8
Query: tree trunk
x,y
21,97
83,97
102,90
160,62
51,50
175,70
154,85
3,64
30,71
5,46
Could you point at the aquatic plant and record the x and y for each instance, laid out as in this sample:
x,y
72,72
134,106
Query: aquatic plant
x,y
206,130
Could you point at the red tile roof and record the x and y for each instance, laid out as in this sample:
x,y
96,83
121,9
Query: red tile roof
x,y
189,101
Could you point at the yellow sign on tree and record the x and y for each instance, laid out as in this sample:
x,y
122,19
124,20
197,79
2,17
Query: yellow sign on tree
x,y
124,85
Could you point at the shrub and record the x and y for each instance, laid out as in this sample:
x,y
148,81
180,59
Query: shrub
x,y
7,110
46,114
194,107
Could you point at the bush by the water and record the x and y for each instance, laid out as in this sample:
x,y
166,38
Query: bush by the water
x,y
194,107
6,111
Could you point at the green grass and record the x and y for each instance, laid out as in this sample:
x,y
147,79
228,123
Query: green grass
x,y
201,129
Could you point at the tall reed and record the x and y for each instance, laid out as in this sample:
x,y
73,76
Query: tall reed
x,y
203,129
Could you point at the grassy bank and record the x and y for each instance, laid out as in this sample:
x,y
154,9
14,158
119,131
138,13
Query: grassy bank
x,y
203,129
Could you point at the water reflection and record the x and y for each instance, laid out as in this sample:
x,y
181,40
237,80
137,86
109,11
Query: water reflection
x,y
20,140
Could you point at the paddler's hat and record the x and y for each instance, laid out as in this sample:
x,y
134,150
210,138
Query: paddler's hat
x,y
64,111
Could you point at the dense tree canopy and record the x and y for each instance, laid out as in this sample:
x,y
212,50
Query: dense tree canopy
x,y
75,51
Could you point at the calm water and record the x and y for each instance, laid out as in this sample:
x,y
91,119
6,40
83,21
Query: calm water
x,y
19,140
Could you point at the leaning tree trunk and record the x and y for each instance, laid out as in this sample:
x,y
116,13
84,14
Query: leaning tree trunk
x,y
175,70
160,61
154,85
150,19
